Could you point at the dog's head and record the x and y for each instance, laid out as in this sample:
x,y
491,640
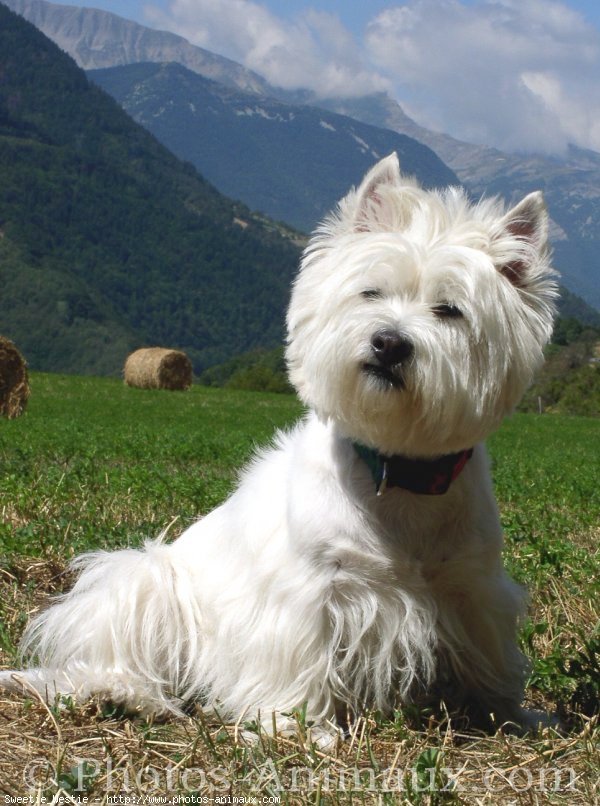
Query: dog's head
x,y
418,319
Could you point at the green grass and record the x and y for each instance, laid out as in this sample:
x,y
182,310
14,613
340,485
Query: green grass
x,y
94,463
546,473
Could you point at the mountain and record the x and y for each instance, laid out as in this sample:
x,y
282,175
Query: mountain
x,y
107,240
291,162
97,39
571,182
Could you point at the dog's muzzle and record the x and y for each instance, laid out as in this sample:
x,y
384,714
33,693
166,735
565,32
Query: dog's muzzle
x,y
392,351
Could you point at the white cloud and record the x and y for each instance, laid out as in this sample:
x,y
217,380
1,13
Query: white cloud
x,y
517,74
314,50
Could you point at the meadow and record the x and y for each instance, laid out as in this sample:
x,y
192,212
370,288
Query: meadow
x,y
94,464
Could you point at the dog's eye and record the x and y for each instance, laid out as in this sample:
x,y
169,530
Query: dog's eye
x,y
372,293
446,311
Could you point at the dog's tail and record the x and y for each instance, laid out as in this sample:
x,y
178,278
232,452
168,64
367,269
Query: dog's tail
x,y
127,631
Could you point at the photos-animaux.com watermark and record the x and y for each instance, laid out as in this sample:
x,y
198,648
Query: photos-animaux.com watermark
x,y
116,780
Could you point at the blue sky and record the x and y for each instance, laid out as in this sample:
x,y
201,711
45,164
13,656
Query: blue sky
x,y
354,13
522,75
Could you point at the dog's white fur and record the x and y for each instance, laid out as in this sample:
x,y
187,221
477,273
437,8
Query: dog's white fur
x,y
305,589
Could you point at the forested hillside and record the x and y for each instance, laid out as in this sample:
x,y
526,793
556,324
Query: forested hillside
x,y
107,241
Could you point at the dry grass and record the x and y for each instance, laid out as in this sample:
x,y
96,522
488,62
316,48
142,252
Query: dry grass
x,y
80,752
55,749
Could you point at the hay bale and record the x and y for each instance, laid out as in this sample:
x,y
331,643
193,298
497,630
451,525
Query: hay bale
x,y
14,380
158,368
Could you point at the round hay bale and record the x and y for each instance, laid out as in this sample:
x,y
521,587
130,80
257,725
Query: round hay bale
x,y
158,368
14,380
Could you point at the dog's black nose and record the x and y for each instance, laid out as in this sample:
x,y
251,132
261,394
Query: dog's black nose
x,y
391,348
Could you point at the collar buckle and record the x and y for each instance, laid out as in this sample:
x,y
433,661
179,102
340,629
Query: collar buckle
x,y
383,484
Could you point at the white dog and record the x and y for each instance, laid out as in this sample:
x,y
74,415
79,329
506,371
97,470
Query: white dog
x,y
358,564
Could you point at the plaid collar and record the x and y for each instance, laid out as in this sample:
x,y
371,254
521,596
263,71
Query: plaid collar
x,y
421,476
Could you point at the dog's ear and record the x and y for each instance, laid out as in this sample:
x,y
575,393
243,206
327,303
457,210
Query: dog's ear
x,y
528,223
371,201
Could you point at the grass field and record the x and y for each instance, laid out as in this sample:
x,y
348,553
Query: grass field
x,y
95,464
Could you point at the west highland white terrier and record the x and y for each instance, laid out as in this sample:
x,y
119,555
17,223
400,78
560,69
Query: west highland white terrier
x,y
358,563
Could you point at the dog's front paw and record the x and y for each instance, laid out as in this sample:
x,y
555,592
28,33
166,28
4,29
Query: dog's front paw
x,y
323,736
326,738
